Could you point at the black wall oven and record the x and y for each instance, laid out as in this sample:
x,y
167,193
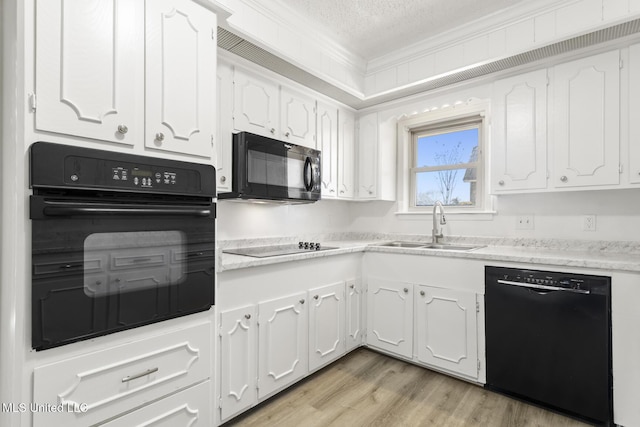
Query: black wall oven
x,y
118,241
268,169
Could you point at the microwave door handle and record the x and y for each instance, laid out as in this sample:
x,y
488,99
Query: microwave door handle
x,y
308,175
70,209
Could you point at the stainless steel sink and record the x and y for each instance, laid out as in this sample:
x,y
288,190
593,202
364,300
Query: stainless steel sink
x,y
424,245
403,244
451,247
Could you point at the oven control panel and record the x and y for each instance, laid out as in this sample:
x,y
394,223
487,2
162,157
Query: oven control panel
x,y
82,171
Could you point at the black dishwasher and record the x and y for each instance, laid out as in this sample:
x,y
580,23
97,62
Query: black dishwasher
x,y
548,340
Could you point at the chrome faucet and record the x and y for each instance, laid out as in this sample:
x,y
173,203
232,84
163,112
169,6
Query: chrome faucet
x,y
437,234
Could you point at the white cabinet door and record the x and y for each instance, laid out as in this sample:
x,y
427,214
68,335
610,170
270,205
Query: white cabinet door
x,y
519,130
586,112
238,360
180,77
327,131
188,408
90,69
634,114
255,106
224,142
390,316
447,330
326,324
283,342
346,154
297,118
368,157
354,325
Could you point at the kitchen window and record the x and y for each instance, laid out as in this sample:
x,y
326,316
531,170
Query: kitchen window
x,y
442,159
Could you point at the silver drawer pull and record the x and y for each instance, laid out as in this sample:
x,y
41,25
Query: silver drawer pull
x,y
140,375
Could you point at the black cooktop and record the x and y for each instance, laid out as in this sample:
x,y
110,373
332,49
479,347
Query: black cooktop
x,y
275,250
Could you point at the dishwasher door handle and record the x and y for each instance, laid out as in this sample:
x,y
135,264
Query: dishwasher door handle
x,y
544,287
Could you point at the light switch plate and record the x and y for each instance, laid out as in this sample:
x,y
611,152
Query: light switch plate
x,y
524,222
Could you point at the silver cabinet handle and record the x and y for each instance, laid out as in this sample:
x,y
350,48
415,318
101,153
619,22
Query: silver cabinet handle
x,y
247,316
316,297
302,301
332,191
287,134
421,293
122,129
341,191
140,375
352,286
564,178
223,178
370,192
160,136
501,182
406,290
272,130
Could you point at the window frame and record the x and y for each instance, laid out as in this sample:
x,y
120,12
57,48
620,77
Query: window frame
x,y
441,127
474,108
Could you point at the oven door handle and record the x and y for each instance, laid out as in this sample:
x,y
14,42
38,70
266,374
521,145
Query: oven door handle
x,y
543,287
72,209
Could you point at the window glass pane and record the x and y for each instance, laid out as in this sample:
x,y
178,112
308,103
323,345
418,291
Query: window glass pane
x,y
448,148
453,187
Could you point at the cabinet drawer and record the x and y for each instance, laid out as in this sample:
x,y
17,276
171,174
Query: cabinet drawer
x,y
108,382
189,408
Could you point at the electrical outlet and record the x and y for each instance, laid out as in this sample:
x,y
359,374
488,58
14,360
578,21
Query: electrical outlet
x,y
524,222
589,223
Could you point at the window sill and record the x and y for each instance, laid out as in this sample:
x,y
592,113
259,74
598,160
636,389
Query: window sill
x,y
453,215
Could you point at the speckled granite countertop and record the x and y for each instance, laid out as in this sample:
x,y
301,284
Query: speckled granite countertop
x,y
598,255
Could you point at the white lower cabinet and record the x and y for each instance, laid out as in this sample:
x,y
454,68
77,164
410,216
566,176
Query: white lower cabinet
x,y
282,357
106,383
354,320
390,316
188,408
446,329
238,360
326,324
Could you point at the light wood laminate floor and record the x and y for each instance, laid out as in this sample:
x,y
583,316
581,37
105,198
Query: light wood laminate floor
x,y
366,388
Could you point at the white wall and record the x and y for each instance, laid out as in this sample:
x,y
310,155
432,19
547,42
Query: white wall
x,y
556,215
244,220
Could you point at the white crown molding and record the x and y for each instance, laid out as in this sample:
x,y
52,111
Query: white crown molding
x,y
478,28
308,31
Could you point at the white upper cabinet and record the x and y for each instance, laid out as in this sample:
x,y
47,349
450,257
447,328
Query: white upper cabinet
x,y
586,128
376,158
634,114
256,104
297,118
327,131
368,157
90,69
346,154
224,113
519,132
113,71
180,82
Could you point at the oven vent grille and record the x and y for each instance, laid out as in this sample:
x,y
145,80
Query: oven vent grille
x,y
241,47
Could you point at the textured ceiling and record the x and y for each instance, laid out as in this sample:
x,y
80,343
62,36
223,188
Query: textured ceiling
x,y
372,28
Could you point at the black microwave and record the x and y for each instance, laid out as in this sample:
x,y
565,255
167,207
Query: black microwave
x,y
265,169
